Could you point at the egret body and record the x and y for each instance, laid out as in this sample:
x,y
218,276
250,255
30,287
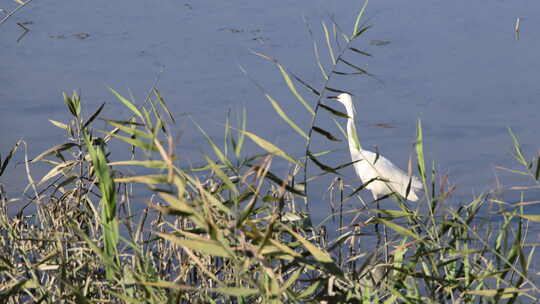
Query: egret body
x,y
369,165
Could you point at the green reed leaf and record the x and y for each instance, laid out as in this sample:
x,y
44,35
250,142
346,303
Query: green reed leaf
x,y
333,111
128,104
284,116
270,148
293,89
208,247
326,134
358,19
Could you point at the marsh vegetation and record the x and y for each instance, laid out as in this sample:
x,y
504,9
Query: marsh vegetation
x,y
236,229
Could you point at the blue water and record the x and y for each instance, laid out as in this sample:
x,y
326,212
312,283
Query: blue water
x,y
456,65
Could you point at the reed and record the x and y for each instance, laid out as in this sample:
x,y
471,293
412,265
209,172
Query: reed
x,y
234,230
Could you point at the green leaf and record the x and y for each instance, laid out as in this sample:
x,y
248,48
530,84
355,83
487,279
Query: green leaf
x,y
3,164
163,104
54,149
204,246
394,213
357,68
284,116
241,135
271,176
364,185
58,124
504,292
400,229
420,152
222,175
12,288
73,103
293,89
347,164
358,18
270,148
292,279
236,291
156,164
94,116
359,51
537,172
335,112
328,43
530,217
107,188
310,289
57,170
129,130
150,179
149,146
518,152
342,73
321,165
127,103
326,134
306,85
178,204
362,30
336,90
318,59
320,255
216,149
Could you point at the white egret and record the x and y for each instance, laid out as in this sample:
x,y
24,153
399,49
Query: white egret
x,y
385,177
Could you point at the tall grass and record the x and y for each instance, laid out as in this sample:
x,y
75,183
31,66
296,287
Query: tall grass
x,y
234,230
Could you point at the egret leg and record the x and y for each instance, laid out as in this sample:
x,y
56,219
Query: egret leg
x,y
385,235
377,224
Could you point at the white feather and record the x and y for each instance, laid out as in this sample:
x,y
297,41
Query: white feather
x,y
370,166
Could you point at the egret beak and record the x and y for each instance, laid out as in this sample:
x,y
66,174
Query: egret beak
x,y
332,97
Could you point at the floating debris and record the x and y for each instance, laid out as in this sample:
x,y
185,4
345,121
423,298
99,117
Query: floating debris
x,y
81,36
61,36
379,42
382,125
230,29
516,27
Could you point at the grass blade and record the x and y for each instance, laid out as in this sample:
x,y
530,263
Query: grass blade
x,y
241,135
127,103
284,116
359,51
270,148
306,85
108,202
335,112
93,116
293,89
400,229
5,162
328,43
358,18
326,134
420,152
205,246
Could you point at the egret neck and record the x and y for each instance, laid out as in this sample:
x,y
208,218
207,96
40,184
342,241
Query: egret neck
x,y
352,136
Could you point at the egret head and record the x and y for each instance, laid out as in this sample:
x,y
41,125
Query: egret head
x,y
345,99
